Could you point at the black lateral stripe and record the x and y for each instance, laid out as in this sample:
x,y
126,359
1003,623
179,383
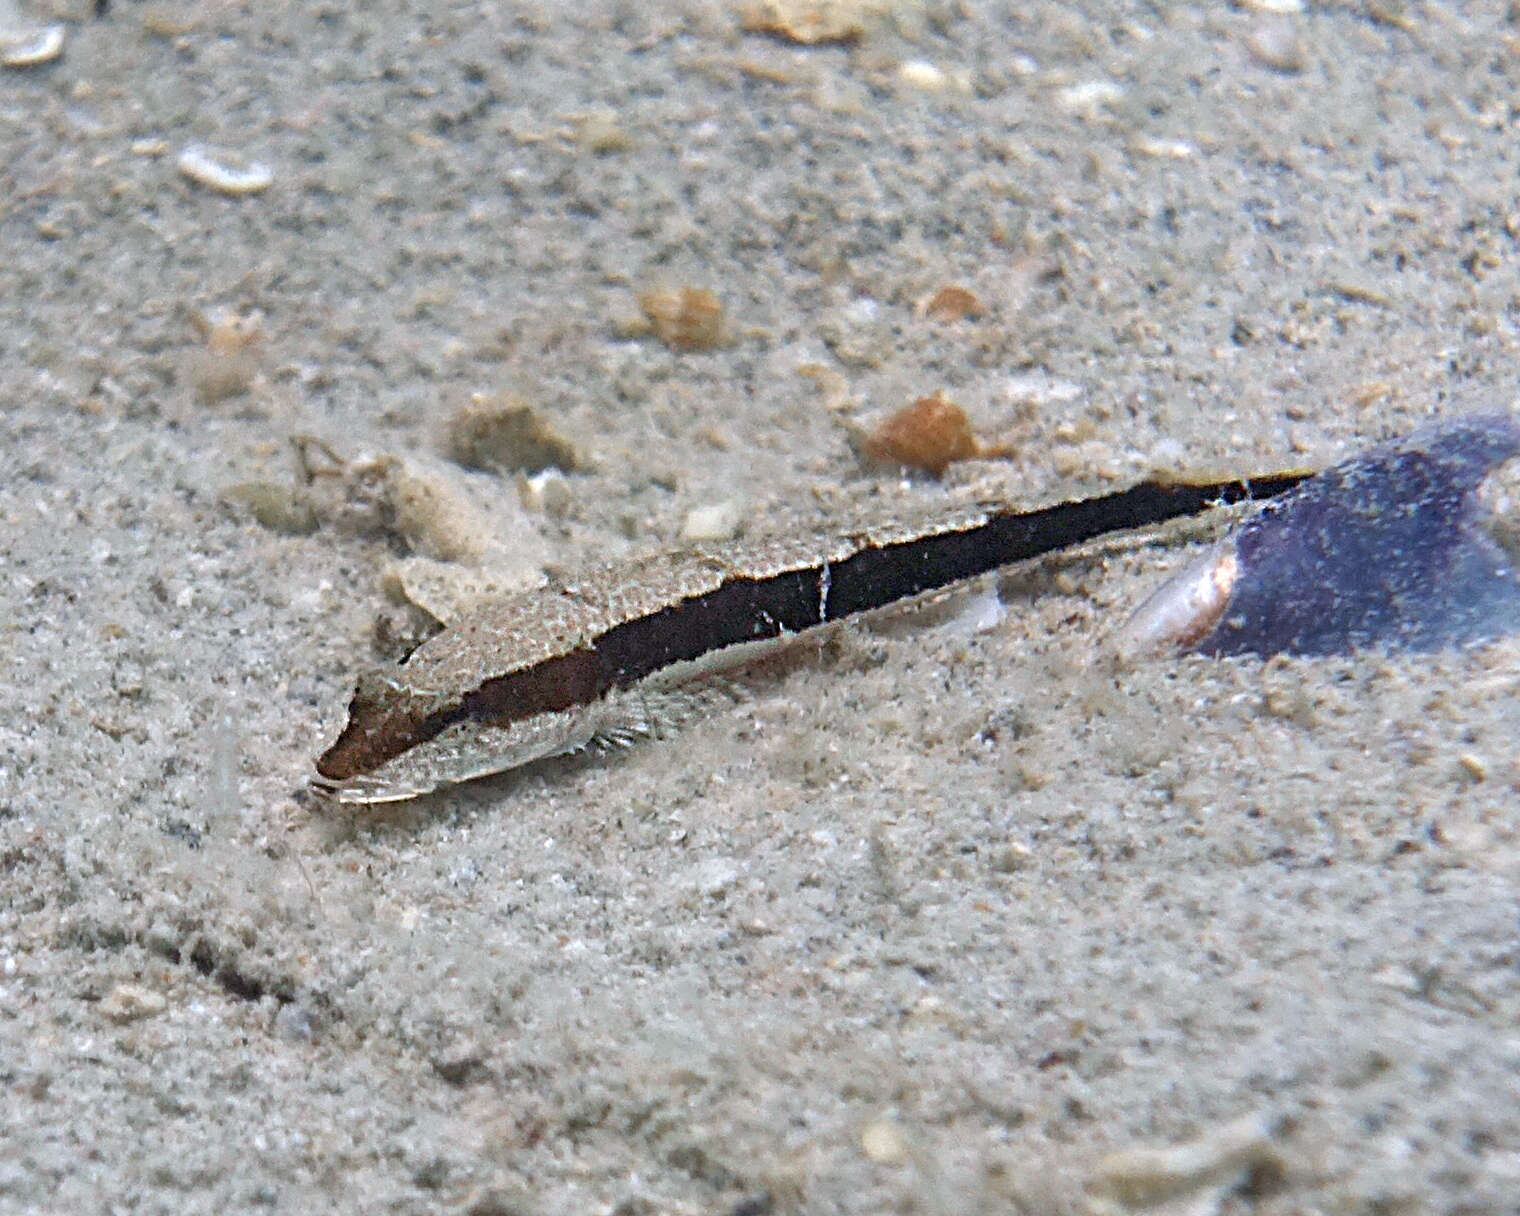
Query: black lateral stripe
x,y
741,610
879,575
750,609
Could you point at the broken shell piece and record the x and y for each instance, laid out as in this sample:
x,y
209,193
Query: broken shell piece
x,y
351,496
1221,1161
1390,550
227,174
422,503
600,132
27,49
437,515
446,590
808,22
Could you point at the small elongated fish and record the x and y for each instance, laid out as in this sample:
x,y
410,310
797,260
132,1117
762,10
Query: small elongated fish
x,y
602,659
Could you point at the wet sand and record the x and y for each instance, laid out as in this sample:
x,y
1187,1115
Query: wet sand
x,y
936,920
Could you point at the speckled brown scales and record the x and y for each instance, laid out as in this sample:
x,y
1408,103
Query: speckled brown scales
x,y
618,651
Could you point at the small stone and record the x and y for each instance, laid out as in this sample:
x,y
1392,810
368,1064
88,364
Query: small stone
x,y
506,434
931,1010
1274,43
498,1201
982,612
713,877
435,517
1163,149
461,1063
600,132
226,364
922,75
215,379
685,319
547,492
296,1022
1393,13
1472,766
951,303
166,21
131,1002
281,509
883,1142
1090,98
1012,858
929,435
717,521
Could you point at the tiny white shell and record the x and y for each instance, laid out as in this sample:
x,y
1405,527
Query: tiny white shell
x,y
27,50
1183,609
200,167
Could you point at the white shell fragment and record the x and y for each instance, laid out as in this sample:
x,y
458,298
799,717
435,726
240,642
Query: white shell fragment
x,y
1219,1162
1089,99
132,1002
27,49
223,176
547,492
1182,610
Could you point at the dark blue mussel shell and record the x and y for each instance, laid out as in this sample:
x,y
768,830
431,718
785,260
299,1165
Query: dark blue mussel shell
x,y
1390,551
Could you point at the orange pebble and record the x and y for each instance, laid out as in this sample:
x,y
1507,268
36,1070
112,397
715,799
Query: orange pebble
x,y
930,434
951,303
685,318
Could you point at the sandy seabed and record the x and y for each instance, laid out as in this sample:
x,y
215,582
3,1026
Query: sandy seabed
x,y
939,922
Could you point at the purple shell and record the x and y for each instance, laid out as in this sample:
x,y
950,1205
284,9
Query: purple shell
x,y
1388,550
